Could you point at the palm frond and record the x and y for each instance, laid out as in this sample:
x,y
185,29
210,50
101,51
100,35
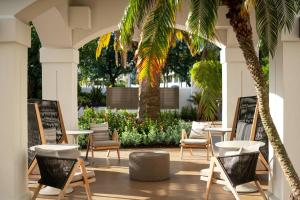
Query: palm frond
x,y
179,35
286,13
195,43
134,15
102,43
267,23
203,18
297,2
156,38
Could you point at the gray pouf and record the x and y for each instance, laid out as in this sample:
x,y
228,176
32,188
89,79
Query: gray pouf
x,y
149,166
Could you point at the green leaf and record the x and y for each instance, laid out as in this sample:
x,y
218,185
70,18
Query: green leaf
x,y
202,18
207,75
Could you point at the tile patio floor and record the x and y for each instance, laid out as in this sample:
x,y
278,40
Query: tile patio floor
x,y
113,181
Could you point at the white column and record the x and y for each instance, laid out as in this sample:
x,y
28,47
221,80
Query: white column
x,y
59,74
285,108
14,43
236,82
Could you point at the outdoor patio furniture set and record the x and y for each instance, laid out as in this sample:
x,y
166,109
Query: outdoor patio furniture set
x,y
236,162
61,168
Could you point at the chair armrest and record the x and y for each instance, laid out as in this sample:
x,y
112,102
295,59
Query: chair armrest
x,y
115,136
183,134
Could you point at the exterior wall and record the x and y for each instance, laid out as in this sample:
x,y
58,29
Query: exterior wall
x,y
14,41
285,108
236,79
59,77
184,95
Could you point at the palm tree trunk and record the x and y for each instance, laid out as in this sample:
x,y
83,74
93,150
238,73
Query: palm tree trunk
x,y
149,99
240,21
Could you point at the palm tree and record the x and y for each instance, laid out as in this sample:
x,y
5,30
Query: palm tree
x,y
156,20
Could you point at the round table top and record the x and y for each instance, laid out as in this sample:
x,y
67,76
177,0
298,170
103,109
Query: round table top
x,y
218,129
238,144
79,132
55,147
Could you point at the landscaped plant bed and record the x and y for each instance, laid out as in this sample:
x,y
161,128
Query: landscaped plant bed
x,y
163,132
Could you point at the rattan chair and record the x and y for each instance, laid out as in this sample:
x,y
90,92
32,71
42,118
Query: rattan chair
x,y
62,172
234,170
197,139
45,126
100,140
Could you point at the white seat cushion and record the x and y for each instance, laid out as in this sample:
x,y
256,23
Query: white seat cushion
x,y
193,141
105,143
78,176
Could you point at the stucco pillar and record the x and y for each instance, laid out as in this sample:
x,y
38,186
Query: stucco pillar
x,y
236,82
14,43
59,77
285,108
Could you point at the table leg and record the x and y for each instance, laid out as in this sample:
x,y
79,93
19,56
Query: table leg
x,y
86,162
87,150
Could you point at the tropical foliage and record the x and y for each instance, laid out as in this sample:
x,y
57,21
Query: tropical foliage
x,y
207,75
105,69
179,62
166,131
156,20
190,113
34,66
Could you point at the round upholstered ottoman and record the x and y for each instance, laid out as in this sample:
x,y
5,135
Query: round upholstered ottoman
x,y
149,166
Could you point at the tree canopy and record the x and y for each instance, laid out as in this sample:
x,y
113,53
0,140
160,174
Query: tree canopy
x,y
104,70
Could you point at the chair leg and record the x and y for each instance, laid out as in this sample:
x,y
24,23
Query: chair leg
x,y
181,152
233,190
85,180
191,151
88,191
92,155
207,153
36,192
211,150
87,149
260,190
227,181
210,178
107,155
118,152
61,195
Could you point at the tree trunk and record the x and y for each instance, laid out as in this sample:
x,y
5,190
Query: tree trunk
x,y
240,21
149,99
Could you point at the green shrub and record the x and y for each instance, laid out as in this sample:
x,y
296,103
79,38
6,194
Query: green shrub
x,y
165,131
188,113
